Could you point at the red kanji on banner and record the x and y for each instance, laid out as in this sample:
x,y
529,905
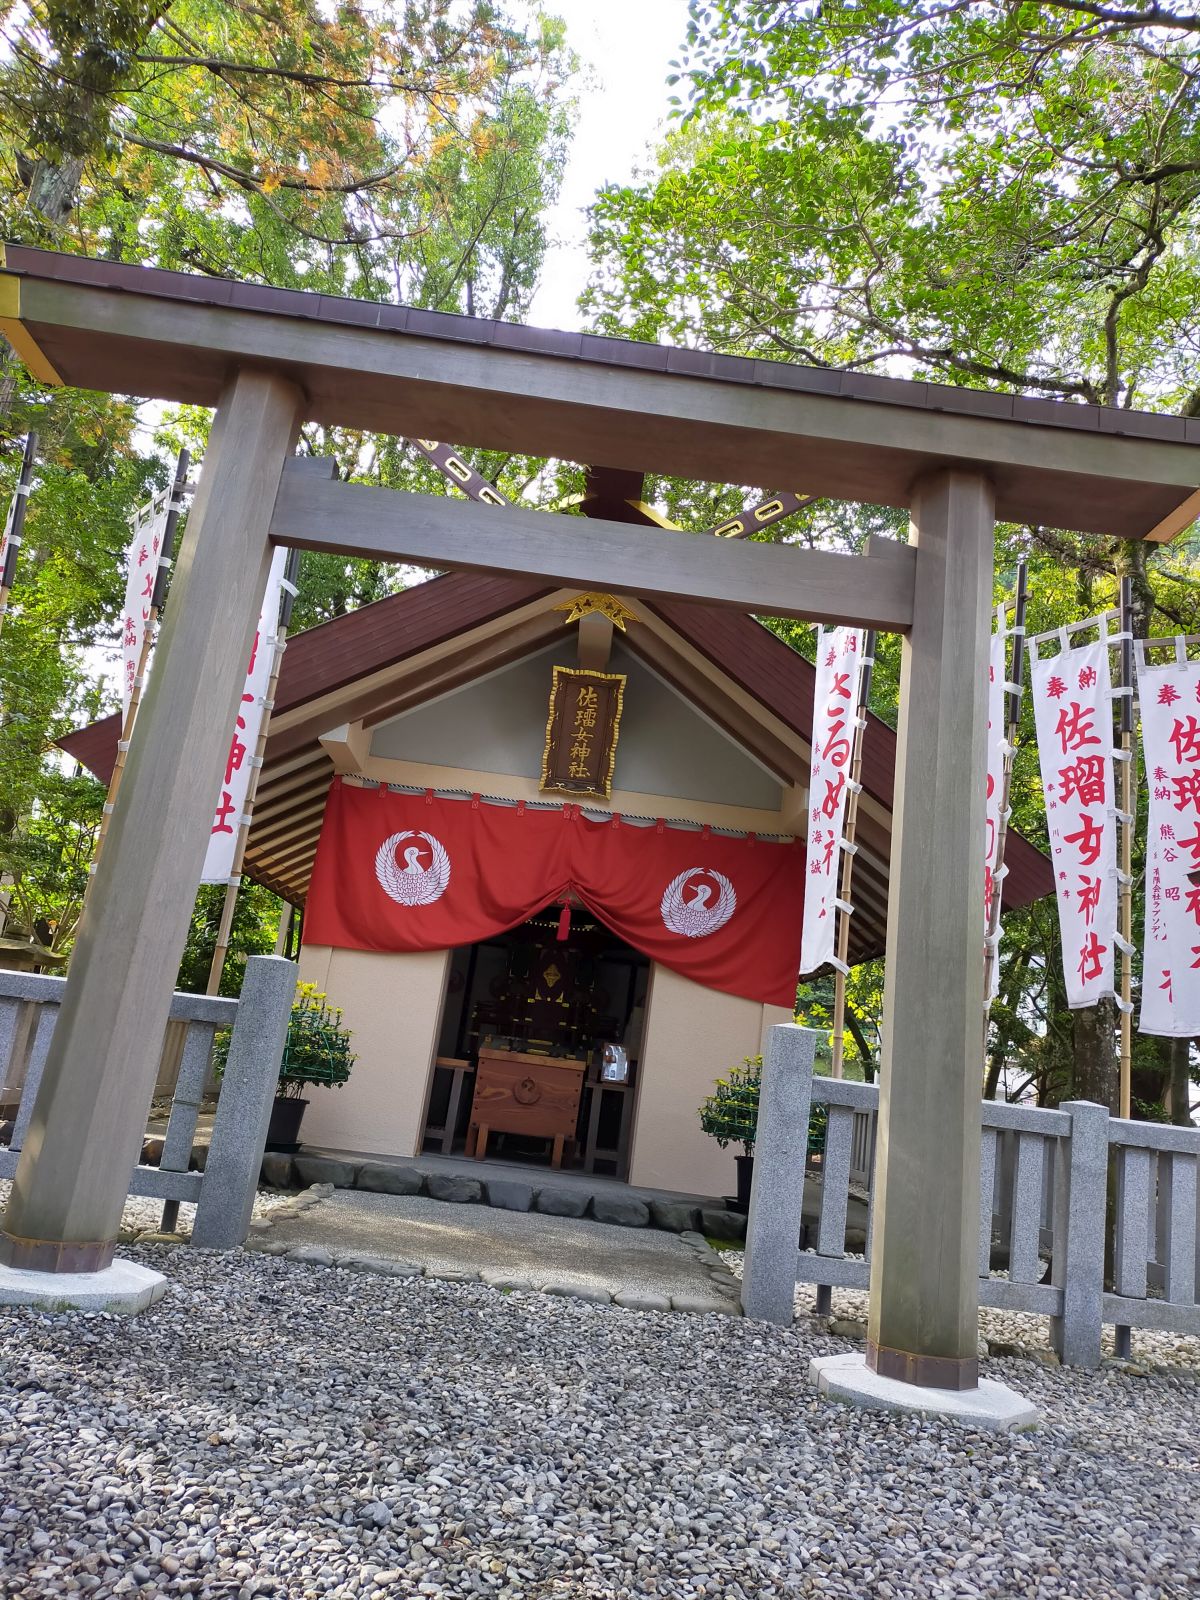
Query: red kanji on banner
x,y
1192,844
836,747
1087,678
221,824
1089,839
237,754
833,794
1075,726
1089,896
1168,694
1187,790
1056,688
1087,779
1090,963
1185,736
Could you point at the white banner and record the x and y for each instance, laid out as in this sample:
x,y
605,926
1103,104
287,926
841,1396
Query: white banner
x,y
222,843
141,568
835,709
1170,705
6,534
1072,705
996,747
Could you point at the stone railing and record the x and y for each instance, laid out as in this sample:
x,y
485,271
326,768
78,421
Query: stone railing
x,y
1044,1212
224,1192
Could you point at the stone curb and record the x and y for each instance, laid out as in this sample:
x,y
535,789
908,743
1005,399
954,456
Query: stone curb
x,y
508,1194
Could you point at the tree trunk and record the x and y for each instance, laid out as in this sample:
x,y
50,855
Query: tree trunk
x,y
1096,1063
864,1049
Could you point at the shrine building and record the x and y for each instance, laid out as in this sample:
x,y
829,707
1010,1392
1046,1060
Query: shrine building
x,y
522,823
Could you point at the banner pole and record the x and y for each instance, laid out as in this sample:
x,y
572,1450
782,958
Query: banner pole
x,y
1013,727
1127,827
15,533
286,603
157,602
851,827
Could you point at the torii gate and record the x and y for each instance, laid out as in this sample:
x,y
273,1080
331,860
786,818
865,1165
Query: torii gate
x,y
269,359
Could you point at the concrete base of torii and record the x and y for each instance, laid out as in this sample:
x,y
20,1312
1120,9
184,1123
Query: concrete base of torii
x,y
991,1406
123,1287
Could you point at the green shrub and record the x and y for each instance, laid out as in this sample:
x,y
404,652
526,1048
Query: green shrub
x,y
317,1048
730,1114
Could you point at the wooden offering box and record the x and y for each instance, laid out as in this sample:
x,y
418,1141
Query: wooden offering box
x,y
537,1096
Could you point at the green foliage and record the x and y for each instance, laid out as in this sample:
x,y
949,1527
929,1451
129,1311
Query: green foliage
x,y
44,859
317,1050
981,194
252,933
730,1113
393,152
267,142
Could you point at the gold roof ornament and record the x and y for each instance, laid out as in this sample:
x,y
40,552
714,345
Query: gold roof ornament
x,y
607,605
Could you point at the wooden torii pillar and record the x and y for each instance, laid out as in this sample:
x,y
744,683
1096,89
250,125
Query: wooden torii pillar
x,y
88,1122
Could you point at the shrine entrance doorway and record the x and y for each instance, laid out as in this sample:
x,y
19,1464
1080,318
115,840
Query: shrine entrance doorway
x,y
525,1019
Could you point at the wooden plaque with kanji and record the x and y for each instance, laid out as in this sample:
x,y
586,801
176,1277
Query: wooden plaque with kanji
x,y
581,732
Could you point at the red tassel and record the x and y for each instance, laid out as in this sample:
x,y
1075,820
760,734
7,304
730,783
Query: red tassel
x,y
564,923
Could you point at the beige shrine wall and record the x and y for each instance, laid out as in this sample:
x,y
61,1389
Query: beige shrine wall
x,y
393,1005
693,1036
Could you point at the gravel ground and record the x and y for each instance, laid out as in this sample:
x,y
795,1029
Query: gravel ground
x,y
273,1428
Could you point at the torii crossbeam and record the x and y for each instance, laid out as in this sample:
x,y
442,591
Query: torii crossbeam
x,y
269,359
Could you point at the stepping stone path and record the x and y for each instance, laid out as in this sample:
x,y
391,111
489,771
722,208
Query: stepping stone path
x,y
507,1246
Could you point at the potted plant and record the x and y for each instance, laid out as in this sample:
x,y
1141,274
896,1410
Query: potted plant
x,y
730,1116
317,1051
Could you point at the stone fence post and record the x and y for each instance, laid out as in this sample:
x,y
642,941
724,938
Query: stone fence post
x,y
244,1107
1080,1221
780,1152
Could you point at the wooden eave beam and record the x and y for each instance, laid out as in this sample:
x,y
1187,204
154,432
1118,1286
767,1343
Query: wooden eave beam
x,y
872,591
288,823
844,436
289,854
